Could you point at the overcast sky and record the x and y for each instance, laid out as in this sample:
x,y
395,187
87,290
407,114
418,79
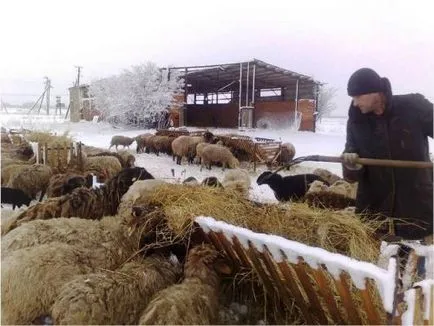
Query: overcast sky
x,y
325,39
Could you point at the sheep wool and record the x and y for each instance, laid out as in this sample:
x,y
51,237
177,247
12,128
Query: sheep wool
x,y
238,180
114,297
32,179
195,300
217,153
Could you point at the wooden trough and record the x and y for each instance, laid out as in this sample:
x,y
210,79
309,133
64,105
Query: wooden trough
x,y
256,150
329,288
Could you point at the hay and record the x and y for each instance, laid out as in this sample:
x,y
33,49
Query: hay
x,y
336,231
42,138
57,155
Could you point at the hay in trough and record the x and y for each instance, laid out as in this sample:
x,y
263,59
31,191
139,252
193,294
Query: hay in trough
x,y
336,231
58,148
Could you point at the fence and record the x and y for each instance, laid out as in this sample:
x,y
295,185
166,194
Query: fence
x,y
328,288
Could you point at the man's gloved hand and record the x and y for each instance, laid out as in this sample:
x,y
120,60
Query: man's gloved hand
x,y
350,161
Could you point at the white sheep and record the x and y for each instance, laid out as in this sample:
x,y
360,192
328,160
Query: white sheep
x,y
32,277
138,194
73,231
326,175
185,146
31,179
218,154
114,297
238,180
195,300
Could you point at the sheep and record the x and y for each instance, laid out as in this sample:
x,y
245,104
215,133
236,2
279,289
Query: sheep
x,y
195,300
138,194
159,144
114,297
142,142
104,166
126,159
33,277
326,175
237,180
184,146
199,150
5,138
32,179
6,161
16,197
72,231
211,182
292,187
217,153
121,140
8,171
287,153
191,181
62,184
84,202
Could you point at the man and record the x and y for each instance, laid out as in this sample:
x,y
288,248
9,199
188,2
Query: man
x,y
396,127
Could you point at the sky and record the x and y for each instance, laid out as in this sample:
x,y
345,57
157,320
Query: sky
x,y
327,40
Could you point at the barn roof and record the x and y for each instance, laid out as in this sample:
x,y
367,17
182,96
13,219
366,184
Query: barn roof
x,y
225,77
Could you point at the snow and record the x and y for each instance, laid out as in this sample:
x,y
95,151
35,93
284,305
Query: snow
x,y
408,316
426,286
281,248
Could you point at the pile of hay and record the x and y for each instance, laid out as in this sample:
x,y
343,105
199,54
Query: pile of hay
x,y
57,156
336,231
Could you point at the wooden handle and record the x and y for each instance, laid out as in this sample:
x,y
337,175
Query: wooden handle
x,y
380,162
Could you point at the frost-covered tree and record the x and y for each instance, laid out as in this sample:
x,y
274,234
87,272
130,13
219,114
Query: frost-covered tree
x,y
326,105
140,93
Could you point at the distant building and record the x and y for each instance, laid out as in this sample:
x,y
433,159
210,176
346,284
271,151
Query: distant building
x,y
81,104
247,94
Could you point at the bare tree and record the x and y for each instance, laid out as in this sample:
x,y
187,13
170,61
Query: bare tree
x,y
326,105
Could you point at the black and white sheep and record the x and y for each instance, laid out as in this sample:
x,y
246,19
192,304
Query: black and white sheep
x,y
293,187
16,197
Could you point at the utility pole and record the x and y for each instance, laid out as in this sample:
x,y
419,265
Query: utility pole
x,y
47,93
77,82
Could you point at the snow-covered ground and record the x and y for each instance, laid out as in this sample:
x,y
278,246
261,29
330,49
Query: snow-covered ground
x,y
328,140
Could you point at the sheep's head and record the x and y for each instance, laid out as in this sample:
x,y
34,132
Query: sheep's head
x,y
206,263
126,177
208,137
268,178
211,182
234,163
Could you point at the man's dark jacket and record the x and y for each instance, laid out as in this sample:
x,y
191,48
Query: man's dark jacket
x,y
401,133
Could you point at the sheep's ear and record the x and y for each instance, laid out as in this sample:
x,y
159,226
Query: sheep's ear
x,y
133,179
223,267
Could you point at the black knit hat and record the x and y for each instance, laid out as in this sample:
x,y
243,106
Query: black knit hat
x,y
365,81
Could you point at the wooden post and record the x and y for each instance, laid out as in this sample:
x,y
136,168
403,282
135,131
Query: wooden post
x,y
46,154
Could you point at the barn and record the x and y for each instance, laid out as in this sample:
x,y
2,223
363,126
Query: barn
x,y
251,94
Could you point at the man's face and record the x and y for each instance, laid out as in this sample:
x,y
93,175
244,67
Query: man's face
x,y
367,102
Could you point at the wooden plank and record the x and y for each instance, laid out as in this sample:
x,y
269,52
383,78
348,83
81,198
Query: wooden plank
x,y
294,289
371,310
228,248
344,292
327,293
241,253
300,270
215,241
431,308
418,307
271,267
252,252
